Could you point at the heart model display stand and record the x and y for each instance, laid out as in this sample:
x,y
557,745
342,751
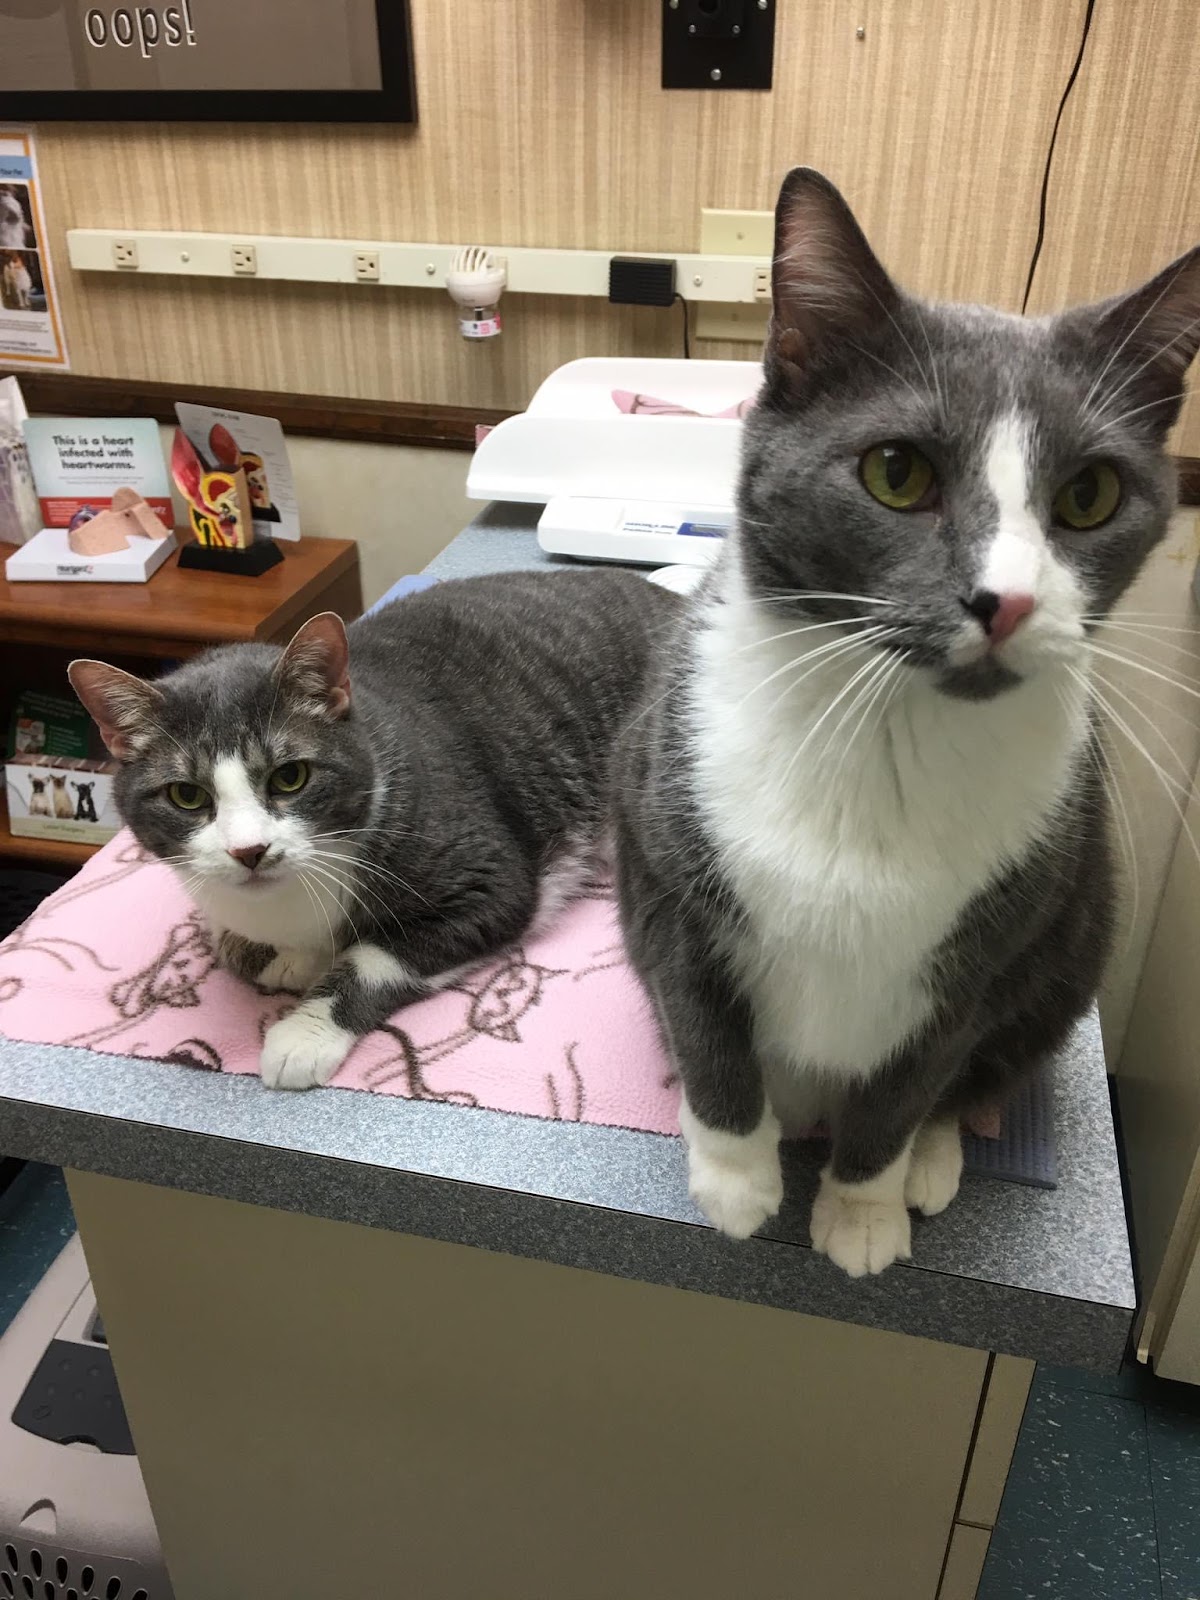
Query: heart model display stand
x,y
218,501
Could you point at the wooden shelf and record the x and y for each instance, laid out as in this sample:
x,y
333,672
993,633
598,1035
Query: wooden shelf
x,y
178,612
50,853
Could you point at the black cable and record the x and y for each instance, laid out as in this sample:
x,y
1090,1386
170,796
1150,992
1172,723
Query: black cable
x,y
1062,106
687,347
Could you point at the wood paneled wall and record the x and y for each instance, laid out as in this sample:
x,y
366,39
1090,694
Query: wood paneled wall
x,y
542,123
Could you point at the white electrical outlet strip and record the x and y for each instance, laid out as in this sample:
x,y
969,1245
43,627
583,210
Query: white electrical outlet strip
x,y
738,280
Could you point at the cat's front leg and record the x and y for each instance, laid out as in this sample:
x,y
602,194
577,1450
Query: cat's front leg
x,y
888,1155
862,1224
731,1133
364,986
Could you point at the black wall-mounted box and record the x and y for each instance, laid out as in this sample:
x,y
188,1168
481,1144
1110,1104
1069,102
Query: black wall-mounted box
x,y
635,281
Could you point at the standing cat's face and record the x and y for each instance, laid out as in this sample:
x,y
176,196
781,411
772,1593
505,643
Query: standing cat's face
x,y
243,768
982,485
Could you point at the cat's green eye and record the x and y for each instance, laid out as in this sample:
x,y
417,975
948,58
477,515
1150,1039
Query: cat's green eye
x,y
288,778
1090,498
898,476
188,796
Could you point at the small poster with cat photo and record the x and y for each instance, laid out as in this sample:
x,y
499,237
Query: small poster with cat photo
x,y
61,797
31,333
227,440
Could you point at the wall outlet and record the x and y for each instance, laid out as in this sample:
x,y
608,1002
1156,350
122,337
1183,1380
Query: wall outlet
x,y
245,260
737,233
366,266
125,255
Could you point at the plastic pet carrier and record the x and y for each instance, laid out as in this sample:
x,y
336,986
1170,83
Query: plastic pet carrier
x,y
75,1523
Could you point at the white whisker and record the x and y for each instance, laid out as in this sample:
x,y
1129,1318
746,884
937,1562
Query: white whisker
x,y
792,633
852,647
825,715
832,647
1169,785
1140,666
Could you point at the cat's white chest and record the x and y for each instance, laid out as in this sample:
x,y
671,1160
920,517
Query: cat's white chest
x,y
837,978
853,853
291,916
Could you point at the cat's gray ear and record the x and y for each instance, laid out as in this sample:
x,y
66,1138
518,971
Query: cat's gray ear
x,y
124,708
1145,341
315,666
826,281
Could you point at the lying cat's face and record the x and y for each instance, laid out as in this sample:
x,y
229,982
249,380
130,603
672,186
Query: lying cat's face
x,y
243,769
981,485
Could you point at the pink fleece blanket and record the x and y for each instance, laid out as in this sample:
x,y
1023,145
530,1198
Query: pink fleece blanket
x,y
119,961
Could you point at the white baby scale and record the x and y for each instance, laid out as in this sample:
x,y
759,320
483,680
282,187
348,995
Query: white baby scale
x,y
644,487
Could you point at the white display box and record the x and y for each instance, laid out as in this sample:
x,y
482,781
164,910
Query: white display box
x,y
48,558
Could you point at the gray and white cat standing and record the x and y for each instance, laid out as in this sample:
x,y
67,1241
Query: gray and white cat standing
x,y
362,815
862,835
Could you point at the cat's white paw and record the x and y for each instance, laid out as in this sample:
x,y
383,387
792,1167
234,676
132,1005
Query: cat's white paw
x,y
293,970
859,1235
305,1048
737,1200
935,1170
735,1180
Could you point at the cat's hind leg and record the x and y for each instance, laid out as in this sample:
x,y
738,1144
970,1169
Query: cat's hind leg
x,y
935,1168
294,970
268,968
243,957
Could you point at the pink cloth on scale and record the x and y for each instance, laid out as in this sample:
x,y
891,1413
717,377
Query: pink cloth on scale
x,y
646,405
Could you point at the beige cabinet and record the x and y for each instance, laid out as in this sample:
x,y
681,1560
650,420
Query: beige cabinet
x,y
323,1409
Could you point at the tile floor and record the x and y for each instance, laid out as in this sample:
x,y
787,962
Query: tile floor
x,y
1104,1498
1103,1501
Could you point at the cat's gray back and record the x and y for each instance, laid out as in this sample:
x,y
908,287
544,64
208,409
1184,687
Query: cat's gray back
x,y
501,697
522,673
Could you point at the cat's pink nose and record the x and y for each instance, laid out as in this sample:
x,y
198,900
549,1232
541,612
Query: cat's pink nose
x,y
1000,614
249,855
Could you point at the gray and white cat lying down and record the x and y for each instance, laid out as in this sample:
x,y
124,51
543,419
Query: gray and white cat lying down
x,y
863,833
367,811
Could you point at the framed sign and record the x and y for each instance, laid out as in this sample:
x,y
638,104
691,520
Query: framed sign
x,y
207,60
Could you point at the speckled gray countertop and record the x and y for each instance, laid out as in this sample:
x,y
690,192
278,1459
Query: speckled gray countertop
x,y
1030,1272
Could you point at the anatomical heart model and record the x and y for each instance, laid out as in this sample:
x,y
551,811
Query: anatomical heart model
x,y
218,498
218,501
